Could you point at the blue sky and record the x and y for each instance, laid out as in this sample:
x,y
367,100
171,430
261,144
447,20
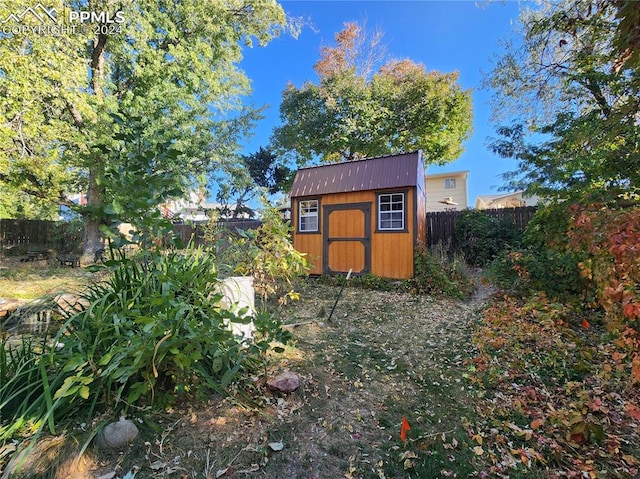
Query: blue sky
x,y
446,36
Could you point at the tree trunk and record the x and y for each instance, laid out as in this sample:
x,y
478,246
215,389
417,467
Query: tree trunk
x,y
92,239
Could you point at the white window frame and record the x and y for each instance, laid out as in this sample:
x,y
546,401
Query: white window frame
x,y
307,210
390,215
450,184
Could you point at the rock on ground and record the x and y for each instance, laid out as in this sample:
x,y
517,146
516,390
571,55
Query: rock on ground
x,y
116,435
285,382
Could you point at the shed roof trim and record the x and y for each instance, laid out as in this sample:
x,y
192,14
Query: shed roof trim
x,y
392,171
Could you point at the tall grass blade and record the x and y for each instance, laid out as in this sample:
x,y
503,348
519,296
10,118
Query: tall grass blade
x,y
46,392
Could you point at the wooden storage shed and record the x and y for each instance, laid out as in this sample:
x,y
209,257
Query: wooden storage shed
x,y
367,215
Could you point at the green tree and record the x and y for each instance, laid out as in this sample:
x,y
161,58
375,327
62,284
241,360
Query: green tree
x,y
161,89
245,178
574,104
267,172
361,107
15,204
235,189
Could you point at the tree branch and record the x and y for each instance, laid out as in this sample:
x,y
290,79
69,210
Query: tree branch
x,y
97,63
75,114
597,94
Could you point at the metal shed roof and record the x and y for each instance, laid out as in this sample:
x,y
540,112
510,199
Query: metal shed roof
x,y
392,171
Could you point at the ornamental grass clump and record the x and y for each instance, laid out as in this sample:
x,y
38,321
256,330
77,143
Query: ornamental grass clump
x,y
26,386
153,331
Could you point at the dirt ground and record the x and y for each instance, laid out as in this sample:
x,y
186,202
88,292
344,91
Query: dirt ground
x,y
384,356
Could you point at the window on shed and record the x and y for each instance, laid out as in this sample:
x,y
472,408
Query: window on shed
x,y
450,184
391,211
308,215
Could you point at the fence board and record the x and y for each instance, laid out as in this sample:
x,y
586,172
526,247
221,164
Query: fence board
x,y
41,234
441,225
28,234
195,232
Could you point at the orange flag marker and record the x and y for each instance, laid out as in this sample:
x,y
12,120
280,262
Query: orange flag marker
x,y
404,428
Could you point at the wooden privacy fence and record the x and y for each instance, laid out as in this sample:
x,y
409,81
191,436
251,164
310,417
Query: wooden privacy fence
x,y
195,232
20,236
24,235
441,225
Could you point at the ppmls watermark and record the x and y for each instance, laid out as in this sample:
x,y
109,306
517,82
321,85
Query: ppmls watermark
x,y
40,20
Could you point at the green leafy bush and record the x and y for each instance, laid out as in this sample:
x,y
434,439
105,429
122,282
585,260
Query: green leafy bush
x,y
438,273
544,262
153,331
547,270
266,253
481,237
26,385
163,316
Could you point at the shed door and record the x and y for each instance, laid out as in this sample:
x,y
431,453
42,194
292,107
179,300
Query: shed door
x,y
347,238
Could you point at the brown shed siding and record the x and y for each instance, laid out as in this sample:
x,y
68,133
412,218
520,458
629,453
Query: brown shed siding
x,y
391,252
312,246
421,207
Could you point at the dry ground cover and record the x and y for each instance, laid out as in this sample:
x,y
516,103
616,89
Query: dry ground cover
x,y
28,281
557,392
384,356
517,389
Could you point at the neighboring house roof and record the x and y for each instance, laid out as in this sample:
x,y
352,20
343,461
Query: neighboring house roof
x,y
392,171
515,198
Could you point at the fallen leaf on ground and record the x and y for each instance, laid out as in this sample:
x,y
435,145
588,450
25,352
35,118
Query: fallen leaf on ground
x,y
276,446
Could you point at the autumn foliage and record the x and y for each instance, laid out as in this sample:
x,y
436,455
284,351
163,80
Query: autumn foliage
x,y
556,397
365,104
612,240
559,375
355,48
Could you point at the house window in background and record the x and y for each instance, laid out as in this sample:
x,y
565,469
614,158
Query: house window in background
x,y
308,215
391,211
450,184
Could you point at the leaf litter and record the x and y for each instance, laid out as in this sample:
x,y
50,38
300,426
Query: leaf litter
x,y
394,387
384,356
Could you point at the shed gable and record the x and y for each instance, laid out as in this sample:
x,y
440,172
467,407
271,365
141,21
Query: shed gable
x,y
385,172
